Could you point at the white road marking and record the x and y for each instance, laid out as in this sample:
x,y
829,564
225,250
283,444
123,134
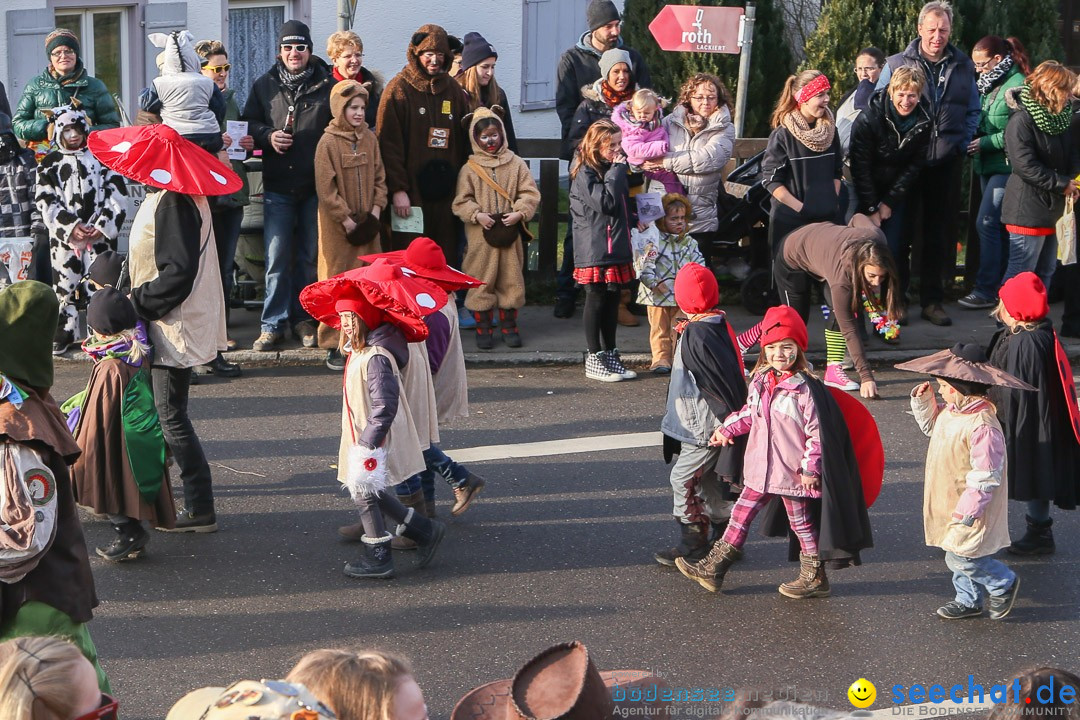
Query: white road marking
x,y
569,446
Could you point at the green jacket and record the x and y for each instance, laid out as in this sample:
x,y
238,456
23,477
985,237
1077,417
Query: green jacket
x,y
241,197
45,93
991,159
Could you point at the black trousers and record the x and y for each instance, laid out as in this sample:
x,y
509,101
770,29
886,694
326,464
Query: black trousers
x,y
938,190
171,387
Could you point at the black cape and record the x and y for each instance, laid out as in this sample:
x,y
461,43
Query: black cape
x,y
840,514
1043,455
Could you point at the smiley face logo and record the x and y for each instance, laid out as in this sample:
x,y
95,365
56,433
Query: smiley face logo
x,y
862,693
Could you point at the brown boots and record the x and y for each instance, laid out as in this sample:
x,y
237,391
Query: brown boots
x,y
811,582
709,573
626,318
693,545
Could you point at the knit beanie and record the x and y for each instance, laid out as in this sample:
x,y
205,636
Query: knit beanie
x,y
106,269
476,50
696,289
1024,297
63,37
110,312
782,323
600,13
294,32
613,57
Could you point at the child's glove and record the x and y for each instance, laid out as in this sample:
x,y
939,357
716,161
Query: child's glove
x,y
367,473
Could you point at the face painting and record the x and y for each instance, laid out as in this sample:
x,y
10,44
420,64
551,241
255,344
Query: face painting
x,y
675,219
72,138
781,355
490,139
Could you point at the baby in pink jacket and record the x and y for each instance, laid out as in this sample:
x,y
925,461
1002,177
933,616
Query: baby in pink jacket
x,y
644,137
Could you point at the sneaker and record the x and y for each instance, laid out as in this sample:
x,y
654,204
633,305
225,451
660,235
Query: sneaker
x,y
61,341
189,522
953,610
465,319
936,314
837,378
267,341
306,331
335,360
564,307
975,301
1002,605
614,364
661,370
596,368
466,493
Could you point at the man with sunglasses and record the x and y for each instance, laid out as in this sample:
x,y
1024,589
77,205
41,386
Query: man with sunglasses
x,y
287,110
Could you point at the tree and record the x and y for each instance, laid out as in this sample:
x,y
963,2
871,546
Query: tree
x,y
770,61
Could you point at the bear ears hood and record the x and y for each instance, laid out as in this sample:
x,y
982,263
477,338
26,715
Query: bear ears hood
x,y
432,38
483,113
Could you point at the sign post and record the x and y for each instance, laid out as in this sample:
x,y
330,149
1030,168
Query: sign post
x,y
746,44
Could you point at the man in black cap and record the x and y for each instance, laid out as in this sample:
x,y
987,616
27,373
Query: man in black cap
x,y
580,66
287,111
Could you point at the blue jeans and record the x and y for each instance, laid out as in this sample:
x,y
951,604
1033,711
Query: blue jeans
x,y
897,237
438,463
972,575
1034,253
227,222
993,238
290,237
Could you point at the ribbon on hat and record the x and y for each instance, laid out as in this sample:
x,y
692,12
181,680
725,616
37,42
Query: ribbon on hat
x,y
817,85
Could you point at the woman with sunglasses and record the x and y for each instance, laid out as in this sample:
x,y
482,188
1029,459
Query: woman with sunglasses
x,y
47,678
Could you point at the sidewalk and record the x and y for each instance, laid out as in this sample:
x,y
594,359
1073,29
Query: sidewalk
x,y
552,341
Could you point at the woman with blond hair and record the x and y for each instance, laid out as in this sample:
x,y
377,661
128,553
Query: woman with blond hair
x,y
346,52
477,79
363,685
47,678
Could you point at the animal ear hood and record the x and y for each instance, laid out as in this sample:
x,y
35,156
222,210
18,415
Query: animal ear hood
x,y
429,38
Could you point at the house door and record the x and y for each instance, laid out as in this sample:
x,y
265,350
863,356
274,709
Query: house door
x,y
105,55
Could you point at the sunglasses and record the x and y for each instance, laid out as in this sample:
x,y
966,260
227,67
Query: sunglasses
x,y
218,68
106,711
297,48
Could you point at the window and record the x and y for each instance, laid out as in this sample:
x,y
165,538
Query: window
x,y
106,55
253,30
550,28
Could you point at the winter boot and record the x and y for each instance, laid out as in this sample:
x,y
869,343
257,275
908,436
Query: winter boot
x,y
429,509
484,335
427,534
626,318
811,582
464,495
709,573
351,533
693,545
377,562
417,503
1038,540
509,327
131,539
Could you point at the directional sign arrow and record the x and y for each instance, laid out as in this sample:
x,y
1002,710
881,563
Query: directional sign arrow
x,y
690,28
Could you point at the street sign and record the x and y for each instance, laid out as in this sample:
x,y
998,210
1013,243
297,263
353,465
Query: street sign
x,y
690,28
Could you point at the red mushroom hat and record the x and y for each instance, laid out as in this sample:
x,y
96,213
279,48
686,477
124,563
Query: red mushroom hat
x,y
425,259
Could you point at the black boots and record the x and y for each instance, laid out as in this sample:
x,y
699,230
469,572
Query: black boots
x,y
1038,540
426,533
509,327
376,562
709,573
693,545
131,540
811,582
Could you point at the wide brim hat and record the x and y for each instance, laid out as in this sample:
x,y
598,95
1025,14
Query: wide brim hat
x,y
402,300
156,155
425,259
251,700
562,682
951,364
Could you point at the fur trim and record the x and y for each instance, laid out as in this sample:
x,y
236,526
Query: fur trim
x,y
376,541
368,473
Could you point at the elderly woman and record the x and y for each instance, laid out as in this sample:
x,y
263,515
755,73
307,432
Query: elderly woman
x,y
701,137
64,82
346,51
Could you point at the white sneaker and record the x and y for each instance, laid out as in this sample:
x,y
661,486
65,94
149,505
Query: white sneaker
x,y
614,364
597,369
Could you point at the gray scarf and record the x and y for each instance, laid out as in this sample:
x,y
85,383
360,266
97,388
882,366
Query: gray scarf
x,y
291,81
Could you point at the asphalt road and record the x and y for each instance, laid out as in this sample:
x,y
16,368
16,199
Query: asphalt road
x,y
558,548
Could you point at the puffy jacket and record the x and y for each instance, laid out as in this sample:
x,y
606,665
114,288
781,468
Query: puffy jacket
x,y
1042,167
592,107
884,163
699,161
44,92
291,173
991,158
600,209
640,143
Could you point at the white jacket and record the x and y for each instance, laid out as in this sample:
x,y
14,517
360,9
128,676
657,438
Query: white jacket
x,y
699,161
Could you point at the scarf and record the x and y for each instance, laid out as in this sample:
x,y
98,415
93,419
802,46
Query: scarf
x,y
883,326
104,348
67,79
1046,122
291,81
612,96
903,123
990,79
11,392
818,138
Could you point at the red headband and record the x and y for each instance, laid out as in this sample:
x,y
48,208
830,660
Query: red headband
x,y
812,88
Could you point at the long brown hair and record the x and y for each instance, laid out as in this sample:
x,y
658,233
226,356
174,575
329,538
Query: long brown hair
x,y
872,252
478,94
787,102
1051,85
597,137
358,338
356,685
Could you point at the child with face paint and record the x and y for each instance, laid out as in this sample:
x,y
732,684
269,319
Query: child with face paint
x,y
496,195
644,137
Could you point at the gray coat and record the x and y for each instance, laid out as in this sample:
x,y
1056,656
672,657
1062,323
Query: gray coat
x,y
699,161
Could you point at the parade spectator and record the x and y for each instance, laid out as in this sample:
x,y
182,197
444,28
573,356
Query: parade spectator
x,y
644,137
952,101
21,217
47,678
226,210
868,64
287,111
1040,441
477,79
63,82
187,97
1041,147
578,67
351,181
346,52
422,139
362,685
702,138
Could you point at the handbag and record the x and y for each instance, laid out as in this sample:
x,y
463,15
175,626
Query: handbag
x,y
1065,229
366,230
499,235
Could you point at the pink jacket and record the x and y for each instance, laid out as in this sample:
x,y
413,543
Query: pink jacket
x,y
638,143
785,438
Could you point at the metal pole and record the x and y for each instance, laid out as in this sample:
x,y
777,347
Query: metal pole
x,y
344,15
746,43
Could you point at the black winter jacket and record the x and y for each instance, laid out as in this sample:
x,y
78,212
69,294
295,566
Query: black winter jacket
x,y
807,175
884,163
1042,167
591,108
292,173
603,215
580,66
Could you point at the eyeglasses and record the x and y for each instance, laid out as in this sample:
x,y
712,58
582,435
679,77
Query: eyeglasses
x,y
218,68
984,64
106,711
704,99
61,52
297,48
865,70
